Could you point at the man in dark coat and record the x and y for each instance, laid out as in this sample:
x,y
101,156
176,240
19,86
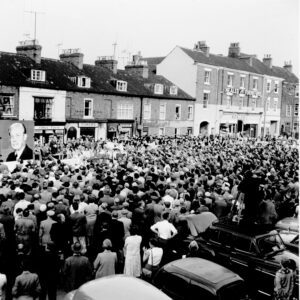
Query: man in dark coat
x,y
77,269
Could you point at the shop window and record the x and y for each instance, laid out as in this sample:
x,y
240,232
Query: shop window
x,y
178,112
162,111
7,103
125,111
88,108
42,108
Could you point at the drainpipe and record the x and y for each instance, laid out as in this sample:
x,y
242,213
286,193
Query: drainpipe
x,y
141,115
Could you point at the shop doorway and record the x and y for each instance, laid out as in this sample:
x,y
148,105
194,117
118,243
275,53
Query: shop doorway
x,y
203,130
239,126
72,133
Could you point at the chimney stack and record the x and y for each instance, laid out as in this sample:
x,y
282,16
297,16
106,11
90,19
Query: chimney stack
x,y
107,62
138,67
288,66
267,60
30,48
201,46
234,50
72,56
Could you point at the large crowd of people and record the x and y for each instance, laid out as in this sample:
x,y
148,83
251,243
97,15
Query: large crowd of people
x,y
85,209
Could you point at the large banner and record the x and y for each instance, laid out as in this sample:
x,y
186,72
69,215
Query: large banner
x,y
16,140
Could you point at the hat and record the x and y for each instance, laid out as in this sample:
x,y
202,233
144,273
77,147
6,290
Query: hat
x,y
43,207
125,204
76,247
50,213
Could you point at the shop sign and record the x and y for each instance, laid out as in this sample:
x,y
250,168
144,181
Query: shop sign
x,y
88,124
38,131
231,90
49,127
49,131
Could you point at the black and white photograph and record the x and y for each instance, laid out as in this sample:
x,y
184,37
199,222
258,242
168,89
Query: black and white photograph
x,y
149,150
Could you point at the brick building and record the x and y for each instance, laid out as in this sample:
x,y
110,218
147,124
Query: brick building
x,y
68,98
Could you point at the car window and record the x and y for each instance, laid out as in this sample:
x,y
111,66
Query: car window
x,y
242,243
225,238
233,291
175,285
270,244
197,292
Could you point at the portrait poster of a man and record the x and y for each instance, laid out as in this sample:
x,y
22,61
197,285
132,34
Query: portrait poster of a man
x,y
16,141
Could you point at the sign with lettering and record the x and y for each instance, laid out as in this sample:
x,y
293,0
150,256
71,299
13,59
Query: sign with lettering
x,y
48,127
88,124
236,91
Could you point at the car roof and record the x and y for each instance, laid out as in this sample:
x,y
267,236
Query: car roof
x,y
249,231
212,275
117,287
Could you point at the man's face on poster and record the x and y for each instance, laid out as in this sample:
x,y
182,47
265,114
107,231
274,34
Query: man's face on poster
x,y
18,136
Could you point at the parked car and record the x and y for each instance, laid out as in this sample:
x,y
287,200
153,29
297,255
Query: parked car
x,y
253,254
289,223
197,278
291,240
117,287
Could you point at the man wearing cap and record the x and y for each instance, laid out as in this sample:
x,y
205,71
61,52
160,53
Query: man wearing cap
x,y
22,203
77,269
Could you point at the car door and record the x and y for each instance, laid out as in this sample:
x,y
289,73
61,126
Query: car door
x,y
241,254
223,247
174,285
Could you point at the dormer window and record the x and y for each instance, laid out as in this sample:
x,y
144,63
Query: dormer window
x,y
158,89
84,82
121,86
173,90
38,75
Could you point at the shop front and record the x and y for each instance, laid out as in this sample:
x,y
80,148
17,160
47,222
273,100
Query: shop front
x,y
44,133
119,130
244,123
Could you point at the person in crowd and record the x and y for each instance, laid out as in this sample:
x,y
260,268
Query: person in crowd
x,y
77,269
106,261
132,253
27,285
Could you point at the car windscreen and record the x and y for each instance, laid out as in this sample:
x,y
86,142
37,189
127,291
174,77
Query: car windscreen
x,y
270,244
233,291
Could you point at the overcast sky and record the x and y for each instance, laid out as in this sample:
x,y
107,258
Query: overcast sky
x,y
154,27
